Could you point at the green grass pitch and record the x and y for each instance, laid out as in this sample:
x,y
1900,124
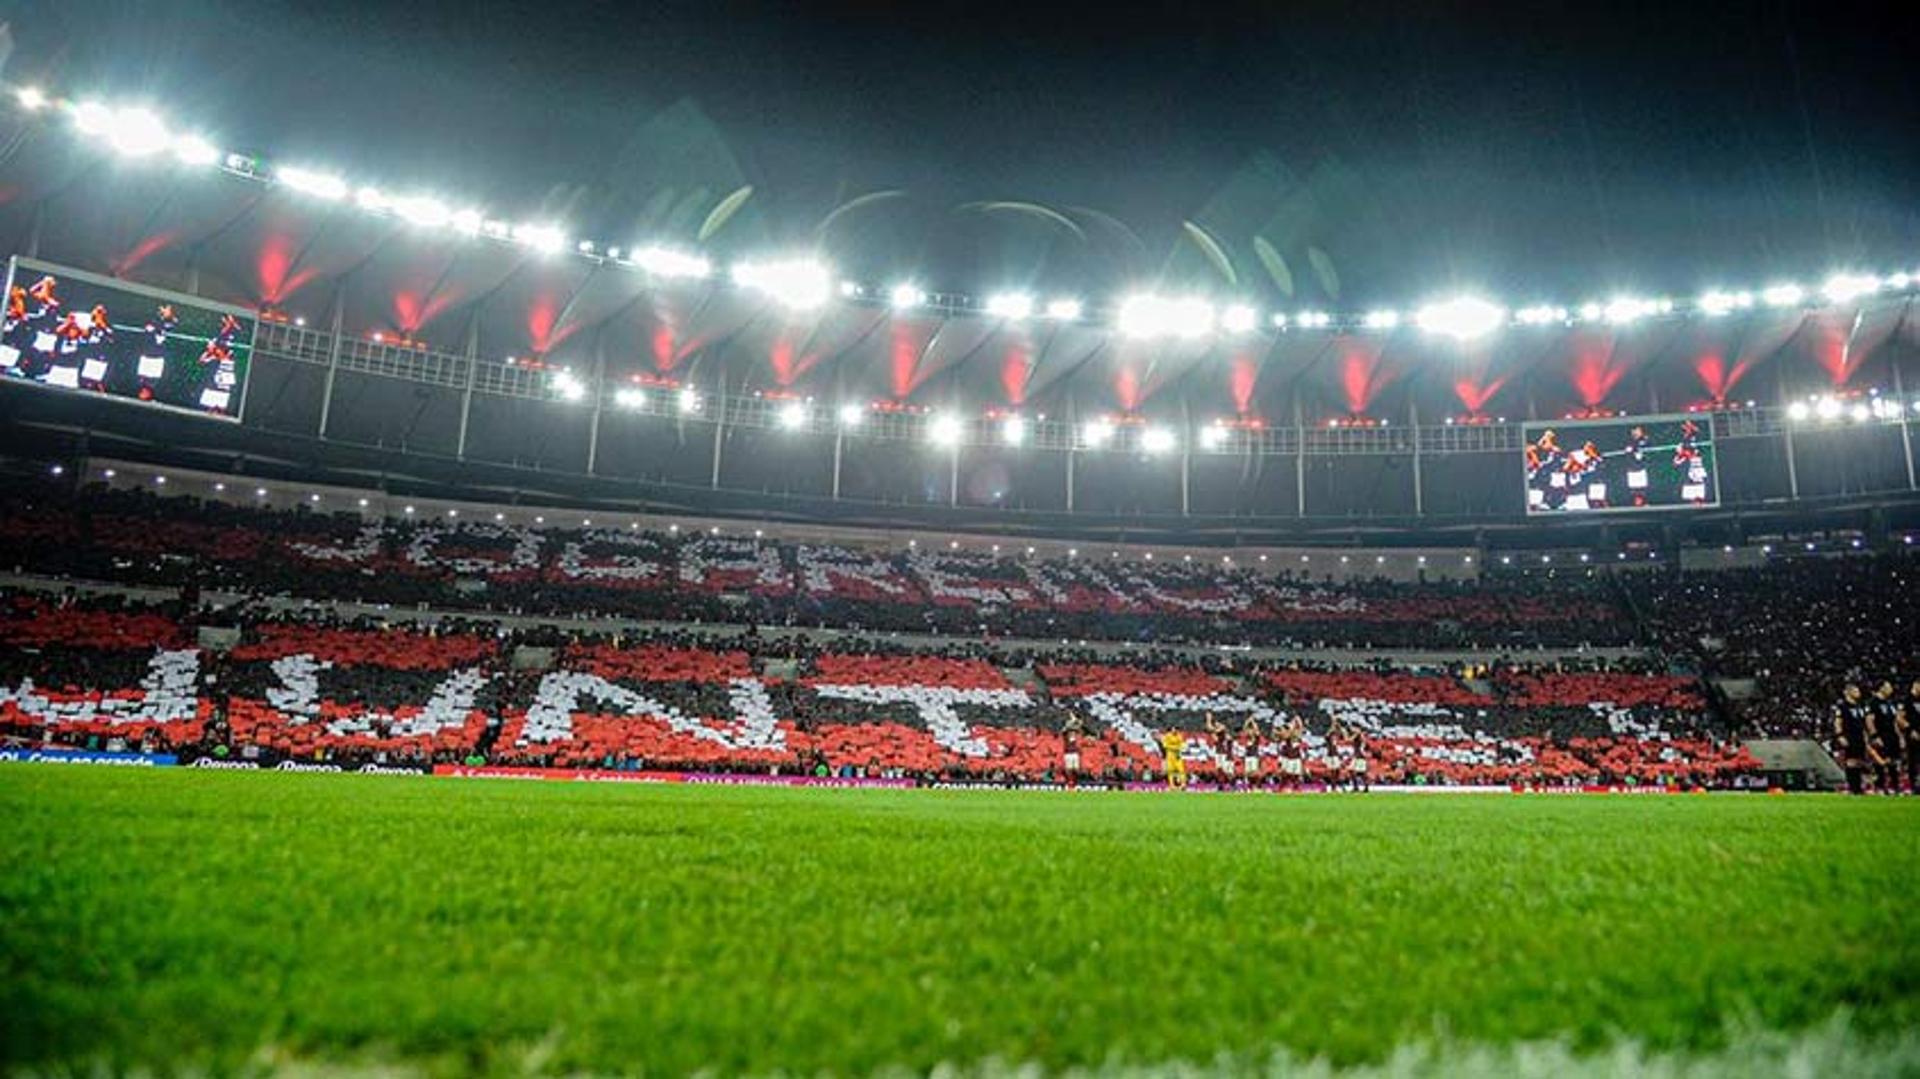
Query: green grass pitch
x,y
235,921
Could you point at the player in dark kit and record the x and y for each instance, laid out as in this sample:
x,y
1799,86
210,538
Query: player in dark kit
x,y
1852,719
1910,732
1888,742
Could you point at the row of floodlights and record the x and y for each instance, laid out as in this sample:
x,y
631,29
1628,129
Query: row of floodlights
x,y
804,283
1830,409
942,429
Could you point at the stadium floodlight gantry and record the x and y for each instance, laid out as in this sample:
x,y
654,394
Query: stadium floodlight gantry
x,y
400,321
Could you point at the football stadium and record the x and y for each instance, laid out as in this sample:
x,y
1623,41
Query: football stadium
x,y
518,563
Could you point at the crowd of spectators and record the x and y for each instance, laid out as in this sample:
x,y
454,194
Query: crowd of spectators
x,y
314,687
139,537
1786,638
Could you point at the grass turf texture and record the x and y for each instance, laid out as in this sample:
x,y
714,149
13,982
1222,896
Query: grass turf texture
x,y
162,918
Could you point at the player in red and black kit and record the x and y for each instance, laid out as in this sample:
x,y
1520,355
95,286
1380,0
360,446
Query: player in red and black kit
x,y
1071,733
1852,720
1220,740
1291,745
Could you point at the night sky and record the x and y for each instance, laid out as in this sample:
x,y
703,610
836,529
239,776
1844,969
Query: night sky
x,y
1541,150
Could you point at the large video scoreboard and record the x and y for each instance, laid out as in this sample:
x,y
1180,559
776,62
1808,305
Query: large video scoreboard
x,y
69,330
1608,466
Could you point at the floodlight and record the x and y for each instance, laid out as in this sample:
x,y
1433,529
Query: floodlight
x,y
905,296
852,415
793,415
689,401
1238,318
1096,433
1799,411
545,239
1464,317
1213,436
1013,430
1012,306
194,150
944,430
1064,310
1783,295
1157,440
798,283
630,397
1382,320
667,262
1843,287
30,97
320,185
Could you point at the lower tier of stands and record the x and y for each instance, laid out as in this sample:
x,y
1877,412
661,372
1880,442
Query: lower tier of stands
x,y
109,676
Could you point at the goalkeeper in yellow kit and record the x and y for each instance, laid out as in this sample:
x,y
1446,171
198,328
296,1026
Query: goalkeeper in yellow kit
x,y
1174,744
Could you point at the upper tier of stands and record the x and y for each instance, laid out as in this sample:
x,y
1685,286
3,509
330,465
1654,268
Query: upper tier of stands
x,y
137,538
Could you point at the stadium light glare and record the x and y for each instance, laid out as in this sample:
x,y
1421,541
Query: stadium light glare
x,y
1719,302
1540,315
852,415
689,401
944,430
371,198
667,262
31,98
1625,310
195,150
1382,319
546,239
468,222
1279,321
1861,413
1147,315
630,397
1827,408
1238,318
906,295
799,283
569,387
137,133
1064,310
793,415
1463,317
1096,433
1798,411
93,118
1013,430
320,185
423,211
1847,287
1157,440
1213,436
1895,281
1314,320
1784,295
1012,306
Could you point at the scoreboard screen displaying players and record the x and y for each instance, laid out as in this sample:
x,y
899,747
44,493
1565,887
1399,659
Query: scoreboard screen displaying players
x,y
70,330
1610,466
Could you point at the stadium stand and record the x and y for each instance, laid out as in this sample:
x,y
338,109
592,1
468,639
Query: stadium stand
x,y
316,690
139,538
